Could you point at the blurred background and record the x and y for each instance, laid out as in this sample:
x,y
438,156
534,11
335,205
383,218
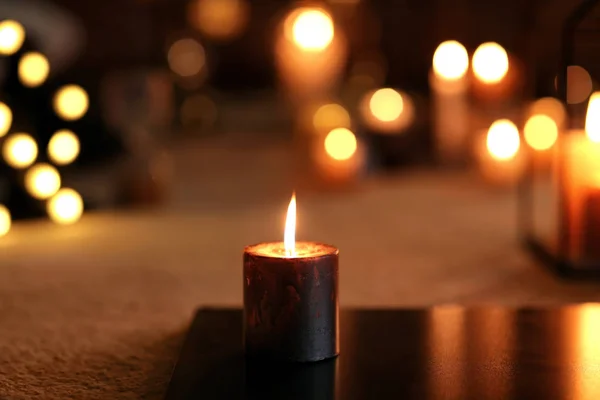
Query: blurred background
x,y
109,104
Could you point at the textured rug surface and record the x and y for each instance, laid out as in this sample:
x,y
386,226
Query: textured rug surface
x,y
98,310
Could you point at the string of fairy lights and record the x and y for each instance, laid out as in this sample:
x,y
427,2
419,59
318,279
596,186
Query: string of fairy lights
x,y
21,152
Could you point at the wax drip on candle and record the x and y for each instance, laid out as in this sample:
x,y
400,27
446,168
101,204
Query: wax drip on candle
x,y
289,235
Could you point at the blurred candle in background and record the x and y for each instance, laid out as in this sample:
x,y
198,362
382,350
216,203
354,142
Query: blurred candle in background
x,y
448,83
495,78
387,111
5,220
498,154
310,55
581,169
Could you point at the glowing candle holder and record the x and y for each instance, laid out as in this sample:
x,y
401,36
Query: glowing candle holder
x,y
291,298
560,195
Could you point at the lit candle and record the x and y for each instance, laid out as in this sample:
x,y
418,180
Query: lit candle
x,y
500,160
491,71
448,83
291,298
309,54
581,171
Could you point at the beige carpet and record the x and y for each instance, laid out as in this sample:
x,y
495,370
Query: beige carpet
x,y
98,310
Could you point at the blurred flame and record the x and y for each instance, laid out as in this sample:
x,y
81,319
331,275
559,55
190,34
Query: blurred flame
x,y
312,28
289,235
186,57
5,220
219,19
340,144
5,119
386,104
551,107
19,150
541,132
65,207
63,147
451,60
592,121
490,63
71,102
42,181
503,140
33,69
330,116
12,36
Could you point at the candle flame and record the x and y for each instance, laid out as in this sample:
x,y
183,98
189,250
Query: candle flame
x,y
503,140
592,120
289,235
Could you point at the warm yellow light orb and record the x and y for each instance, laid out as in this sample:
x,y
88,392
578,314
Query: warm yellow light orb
x,y
5,220
592,120
451,60
340,144
65,207
186,57
331,116
312,29
490,63
503,140
63,147
19,150
551,107
12,35
71,102
219,19
386,104
42,181
33,69
540,132
5,119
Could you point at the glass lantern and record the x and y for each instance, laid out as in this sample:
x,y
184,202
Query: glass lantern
x,y
560,193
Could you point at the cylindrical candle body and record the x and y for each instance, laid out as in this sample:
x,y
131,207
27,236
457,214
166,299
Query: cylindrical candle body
x,y
291,304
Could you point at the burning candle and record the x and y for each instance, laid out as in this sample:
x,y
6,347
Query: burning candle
x,y
448,83
582,185
291,298
499,159
309,55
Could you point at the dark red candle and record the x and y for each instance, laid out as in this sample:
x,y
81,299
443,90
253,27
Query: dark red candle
x,y
291,299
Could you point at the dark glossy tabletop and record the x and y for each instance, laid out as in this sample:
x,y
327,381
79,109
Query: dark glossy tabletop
x,y
437,353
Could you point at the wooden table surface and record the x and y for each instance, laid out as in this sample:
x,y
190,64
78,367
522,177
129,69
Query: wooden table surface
x,y
437,353
99,309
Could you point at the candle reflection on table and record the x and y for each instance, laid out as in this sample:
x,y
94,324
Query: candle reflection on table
x,y
447,379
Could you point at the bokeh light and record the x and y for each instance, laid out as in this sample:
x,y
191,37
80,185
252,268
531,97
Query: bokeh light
x,y
5,220
551,107
63,147
579,84
42,181
19,150
490,63
331,116
65,207
386,104
186,57
541,132
340,144
5,119
592,120
451,60
33,69
312,29
12,35
219,19
503,140
71,102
